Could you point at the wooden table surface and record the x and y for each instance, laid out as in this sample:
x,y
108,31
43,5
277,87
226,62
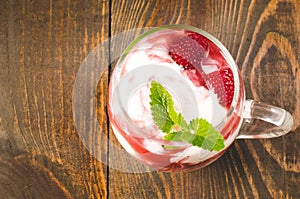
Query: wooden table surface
x,y
43,47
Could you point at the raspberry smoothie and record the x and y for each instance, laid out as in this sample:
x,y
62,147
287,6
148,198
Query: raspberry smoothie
x,y
195,72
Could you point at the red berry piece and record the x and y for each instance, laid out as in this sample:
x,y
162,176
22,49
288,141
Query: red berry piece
x,y
222,82
203,41
188,51
213,50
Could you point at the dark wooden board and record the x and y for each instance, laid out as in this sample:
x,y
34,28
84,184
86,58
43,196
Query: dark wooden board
x,y
44,45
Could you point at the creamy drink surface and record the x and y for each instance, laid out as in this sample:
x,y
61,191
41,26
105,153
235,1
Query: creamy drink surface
x,y
131,117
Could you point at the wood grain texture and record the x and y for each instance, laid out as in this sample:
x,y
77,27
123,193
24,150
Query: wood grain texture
x,y
263,37
43,45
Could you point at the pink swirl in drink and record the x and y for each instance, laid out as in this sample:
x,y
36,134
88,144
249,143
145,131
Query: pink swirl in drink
x,y
195,72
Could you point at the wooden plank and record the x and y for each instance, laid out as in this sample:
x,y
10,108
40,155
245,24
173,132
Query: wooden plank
x,y
263,37
43,44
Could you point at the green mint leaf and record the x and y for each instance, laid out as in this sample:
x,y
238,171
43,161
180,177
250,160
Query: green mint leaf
x,y
169,147
207,136
162,107
198,132
182,123
171,137
180,136
161,118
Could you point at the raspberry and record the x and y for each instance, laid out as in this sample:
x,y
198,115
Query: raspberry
x,y
199,38
213,50
188,52
223,84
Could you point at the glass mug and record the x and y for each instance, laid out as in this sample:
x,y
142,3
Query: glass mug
x,y
204,82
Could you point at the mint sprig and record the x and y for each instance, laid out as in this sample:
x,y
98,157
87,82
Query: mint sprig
x,y
198,132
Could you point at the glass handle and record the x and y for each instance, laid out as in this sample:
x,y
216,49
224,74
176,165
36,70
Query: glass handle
x,y
264,121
